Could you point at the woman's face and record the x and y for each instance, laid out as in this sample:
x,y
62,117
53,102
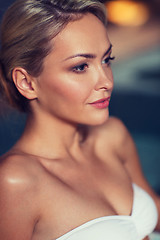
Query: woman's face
x,y
77,74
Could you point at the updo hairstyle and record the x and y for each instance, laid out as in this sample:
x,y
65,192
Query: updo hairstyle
x,y
26,32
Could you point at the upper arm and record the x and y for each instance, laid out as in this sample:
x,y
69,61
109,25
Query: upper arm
x,y
131,160
17,205
132,164
115,135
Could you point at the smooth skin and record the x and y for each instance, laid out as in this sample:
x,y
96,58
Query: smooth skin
x,y
52,181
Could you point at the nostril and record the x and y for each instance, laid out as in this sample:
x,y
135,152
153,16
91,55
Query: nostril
x,y
104,78
105,84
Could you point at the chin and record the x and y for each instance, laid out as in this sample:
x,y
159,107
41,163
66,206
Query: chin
x,y
98,119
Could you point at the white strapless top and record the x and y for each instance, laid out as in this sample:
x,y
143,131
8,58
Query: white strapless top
x,y
137,226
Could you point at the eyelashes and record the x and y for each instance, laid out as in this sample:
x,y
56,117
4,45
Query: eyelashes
x,y
81,68
108,60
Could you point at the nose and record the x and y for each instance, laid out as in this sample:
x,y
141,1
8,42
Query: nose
x,y
104,79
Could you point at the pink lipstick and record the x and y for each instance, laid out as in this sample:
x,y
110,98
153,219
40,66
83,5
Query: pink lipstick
x,y
101,103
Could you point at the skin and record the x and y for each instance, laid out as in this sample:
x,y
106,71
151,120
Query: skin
x,y
51,181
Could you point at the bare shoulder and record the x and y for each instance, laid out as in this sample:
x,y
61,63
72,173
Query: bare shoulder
x,y
17,170
112,132
18,197
18,178
112,139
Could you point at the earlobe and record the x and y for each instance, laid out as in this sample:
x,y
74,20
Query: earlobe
x,y
24,83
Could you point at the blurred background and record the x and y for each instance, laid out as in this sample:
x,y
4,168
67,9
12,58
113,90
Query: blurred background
x,y
134,30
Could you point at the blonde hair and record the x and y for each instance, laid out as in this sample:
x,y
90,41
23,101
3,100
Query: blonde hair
x,y
26,30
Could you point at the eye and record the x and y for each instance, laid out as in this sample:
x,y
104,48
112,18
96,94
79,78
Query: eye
x,y
80,68
108,60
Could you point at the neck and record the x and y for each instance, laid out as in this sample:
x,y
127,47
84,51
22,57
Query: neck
x,y
48,137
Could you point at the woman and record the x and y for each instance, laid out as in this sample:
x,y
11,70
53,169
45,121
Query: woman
x,y
74,173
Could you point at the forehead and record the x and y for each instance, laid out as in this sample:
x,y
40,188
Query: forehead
x,y
87,34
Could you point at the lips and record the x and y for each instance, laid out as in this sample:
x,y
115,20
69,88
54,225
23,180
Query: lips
x,y
101,103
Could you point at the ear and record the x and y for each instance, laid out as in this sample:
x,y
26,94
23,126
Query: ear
x,y
24,83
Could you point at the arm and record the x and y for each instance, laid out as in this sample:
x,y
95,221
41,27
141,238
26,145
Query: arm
x,y
132,164
17,204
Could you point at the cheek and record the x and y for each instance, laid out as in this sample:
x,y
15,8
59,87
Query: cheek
x,y
71,90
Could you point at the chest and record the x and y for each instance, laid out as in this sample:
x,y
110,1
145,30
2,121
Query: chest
x,y
80,192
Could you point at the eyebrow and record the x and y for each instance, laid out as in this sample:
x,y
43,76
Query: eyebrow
x,y
88,55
